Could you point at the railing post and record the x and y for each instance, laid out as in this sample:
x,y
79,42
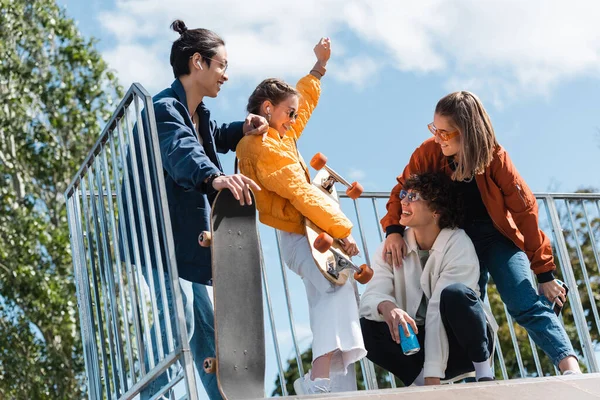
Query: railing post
x,y
576,307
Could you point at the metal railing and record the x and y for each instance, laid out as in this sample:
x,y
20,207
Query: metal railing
x,y
572,222
120,302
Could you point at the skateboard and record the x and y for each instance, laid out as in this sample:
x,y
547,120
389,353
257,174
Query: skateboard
x,y
333,262
237,287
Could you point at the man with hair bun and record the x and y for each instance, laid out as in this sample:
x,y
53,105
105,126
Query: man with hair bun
x,y
189,143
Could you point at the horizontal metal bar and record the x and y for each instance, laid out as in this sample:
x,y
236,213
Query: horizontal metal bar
x,y
153,373
579,196
135,88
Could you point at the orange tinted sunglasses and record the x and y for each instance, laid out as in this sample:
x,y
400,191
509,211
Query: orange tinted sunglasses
x,y
442,134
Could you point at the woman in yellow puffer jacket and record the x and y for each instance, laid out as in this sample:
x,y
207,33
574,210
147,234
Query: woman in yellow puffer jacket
x,y
286,198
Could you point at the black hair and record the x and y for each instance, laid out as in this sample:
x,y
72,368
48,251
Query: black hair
x,y
192,41
441,195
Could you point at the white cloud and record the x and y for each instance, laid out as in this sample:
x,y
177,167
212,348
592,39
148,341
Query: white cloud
x,y
504,47
138,63
358,70
357,174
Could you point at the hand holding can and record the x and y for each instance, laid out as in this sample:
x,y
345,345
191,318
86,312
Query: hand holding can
x,y
410,345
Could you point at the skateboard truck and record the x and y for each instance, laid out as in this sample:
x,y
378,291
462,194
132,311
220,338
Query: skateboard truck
x,y
319,161
323,242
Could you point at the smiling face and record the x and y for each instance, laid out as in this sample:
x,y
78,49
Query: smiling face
x,y
211,78
283,115
416,213
445,124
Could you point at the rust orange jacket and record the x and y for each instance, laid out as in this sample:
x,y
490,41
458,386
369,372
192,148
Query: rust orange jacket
x,y
287,194
508,200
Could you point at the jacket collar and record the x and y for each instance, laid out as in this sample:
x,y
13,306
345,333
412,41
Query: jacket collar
x,y
439,244
180,93
177,87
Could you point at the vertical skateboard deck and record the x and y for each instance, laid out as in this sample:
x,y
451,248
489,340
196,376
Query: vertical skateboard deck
x,y
237,288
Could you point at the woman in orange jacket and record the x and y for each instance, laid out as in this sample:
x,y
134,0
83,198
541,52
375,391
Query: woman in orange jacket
x,y
286,199
501,219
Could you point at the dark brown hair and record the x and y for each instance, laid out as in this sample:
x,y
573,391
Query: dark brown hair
x,y
272,89
477,137
192,41
441,195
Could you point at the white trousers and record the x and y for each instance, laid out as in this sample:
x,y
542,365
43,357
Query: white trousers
x,y
333,309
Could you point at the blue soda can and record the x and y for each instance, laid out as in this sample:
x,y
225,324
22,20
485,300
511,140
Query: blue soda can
x,y
410,345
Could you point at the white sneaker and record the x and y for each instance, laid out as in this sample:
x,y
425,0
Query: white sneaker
x,y
305,385
571,372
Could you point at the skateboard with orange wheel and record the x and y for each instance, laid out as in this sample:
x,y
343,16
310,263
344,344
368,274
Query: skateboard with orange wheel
x,y
331,259
237,287
328,180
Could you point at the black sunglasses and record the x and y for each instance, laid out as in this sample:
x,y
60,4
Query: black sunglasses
x,y
293,114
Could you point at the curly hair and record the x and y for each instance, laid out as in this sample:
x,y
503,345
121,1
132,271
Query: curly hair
x,y
441,195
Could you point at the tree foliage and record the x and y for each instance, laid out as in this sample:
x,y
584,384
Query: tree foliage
x,y
55,93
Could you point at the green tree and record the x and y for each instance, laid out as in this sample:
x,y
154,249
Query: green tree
x,y
55,93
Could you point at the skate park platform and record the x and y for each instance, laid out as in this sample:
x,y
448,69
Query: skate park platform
x,y
571,387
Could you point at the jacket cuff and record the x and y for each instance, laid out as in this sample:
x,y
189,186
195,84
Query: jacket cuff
x,y
545,277
369,307
203,187
434,370
394,229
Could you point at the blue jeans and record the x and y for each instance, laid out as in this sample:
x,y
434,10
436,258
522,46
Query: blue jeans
x,y
199,319
510,270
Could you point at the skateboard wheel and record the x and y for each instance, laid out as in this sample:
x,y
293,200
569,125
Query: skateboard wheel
x,y
318,161
323,242
204,239
365,274
355,190
210,365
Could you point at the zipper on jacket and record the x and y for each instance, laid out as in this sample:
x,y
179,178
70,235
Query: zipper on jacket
x,y
520,191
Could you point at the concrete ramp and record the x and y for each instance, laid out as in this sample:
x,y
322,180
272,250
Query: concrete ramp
x,y
573,387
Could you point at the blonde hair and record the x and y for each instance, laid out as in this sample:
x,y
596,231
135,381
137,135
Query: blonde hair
x,y
478,139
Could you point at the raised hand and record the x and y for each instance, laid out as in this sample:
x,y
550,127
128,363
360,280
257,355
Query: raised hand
x,y
323,51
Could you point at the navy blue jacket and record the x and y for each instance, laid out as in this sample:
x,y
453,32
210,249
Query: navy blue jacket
x,y
186,164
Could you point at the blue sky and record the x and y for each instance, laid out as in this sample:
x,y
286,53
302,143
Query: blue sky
x,y
535,65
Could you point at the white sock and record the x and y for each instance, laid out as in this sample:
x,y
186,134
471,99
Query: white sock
x,y
483,369
420,380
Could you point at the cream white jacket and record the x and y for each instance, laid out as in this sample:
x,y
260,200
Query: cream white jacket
x,y
452,260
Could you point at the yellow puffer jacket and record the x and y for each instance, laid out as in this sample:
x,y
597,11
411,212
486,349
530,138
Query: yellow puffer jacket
x,y
287,195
